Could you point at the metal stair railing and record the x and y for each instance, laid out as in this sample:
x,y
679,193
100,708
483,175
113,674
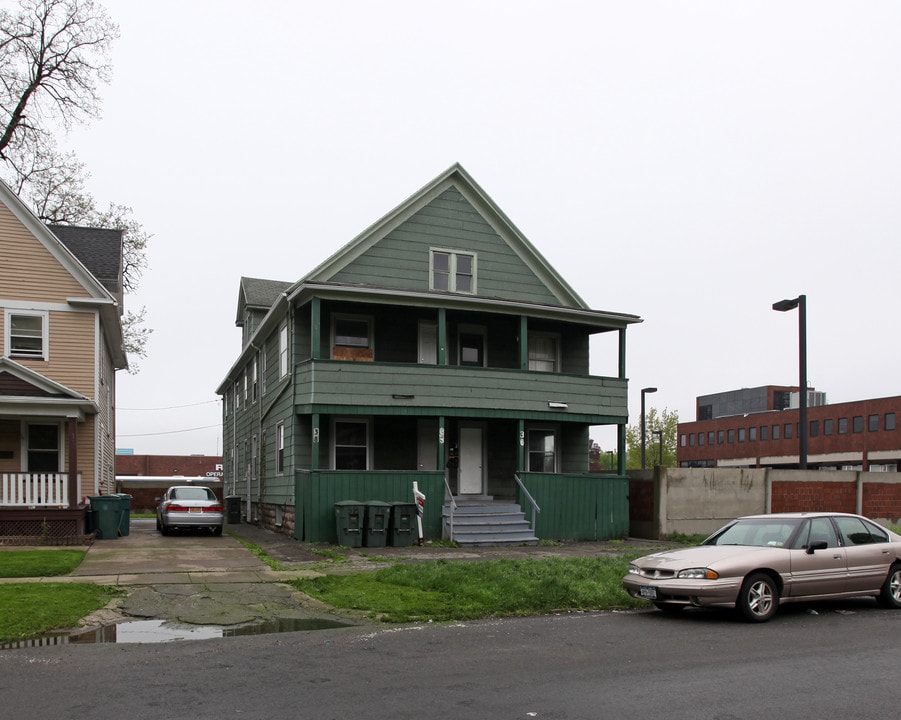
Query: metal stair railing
x,y
528,495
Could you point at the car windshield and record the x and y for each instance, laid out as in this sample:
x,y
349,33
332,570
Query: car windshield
x,y
755,532
198,493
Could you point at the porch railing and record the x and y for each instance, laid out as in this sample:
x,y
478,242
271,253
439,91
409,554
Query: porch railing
x,y
529,497
34,490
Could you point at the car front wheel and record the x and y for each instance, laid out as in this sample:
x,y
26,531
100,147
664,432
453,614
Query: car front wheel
x,y
759,598
890,595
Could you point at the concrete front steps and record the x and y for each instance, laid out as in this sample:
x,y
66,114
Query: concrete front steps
x,y
488,523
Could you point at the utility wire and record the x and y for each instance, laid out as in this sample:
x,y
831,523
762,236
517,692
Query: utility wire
x,y
169,432
174,407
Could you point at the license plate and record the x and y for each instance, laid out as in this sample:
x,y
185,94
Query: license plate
x,y
648,592
195,510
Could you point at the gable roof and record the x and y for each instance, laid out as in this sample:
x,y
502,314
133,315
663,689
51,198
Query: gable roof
x,y
98,297
258,294
21,388
99,250
454,177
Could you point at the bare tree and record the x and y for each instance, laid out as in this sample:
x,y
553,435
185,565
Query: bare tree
x,y
53,56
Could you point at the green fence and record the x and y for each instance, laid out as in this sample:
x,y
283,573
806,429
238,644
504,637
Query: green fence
x,y
577,507
317,491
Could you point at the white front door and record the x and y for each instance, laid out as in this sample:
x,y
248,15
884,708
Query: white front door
x,y
471,461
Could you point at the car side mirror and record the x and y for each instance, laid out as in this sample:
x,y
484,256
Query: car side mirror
x,y
818,545
157,499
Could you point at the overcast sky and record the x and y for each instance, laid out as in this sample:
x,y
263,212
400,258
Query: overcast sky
x,y
688,162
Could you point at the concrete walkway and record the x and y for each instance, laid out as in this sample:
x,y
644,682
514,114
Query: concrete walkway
x,y
203,579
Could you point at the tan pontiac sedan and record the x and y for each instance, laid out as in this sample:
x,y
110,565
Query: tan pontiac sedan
x,y
757,562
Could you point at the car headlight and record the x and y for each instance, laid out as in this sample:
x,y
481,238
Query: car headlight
x,y
698,574
634,569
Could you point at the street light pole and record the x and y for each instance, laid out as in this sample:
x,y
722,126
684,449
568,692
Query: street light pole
x,y
644,391
800,302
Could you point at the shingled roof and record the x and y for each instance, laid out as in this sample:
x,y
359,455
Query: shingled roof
x,y
258,294
99,250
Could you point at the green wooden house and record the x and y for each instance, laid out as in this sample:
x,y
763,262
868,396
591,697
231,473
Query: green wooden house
x,y
437,347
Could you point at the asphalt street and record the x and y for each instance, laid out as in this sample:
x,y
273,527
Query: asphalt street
x,y
841,662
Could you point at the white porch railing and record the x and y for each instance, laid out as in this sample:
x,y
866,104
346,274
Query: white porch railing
x,y
34,490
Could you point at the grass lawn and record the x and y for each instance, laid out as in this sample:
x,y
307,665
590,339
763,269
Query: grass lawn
x,y
461,590
30,609
38,563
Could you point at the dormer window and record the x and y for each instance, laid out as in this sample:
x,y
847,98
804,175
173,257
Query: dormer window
x,y
453,271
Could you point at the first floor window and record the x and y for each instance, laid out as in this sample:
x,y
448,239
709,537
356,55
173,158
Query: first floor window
x,y
43,448
26,334
351,445
542,451
280,448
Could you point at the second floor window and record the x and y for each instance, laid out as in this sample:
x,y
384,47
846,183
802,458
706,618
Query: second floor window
x,y
453,271
543,352
26,335
283,351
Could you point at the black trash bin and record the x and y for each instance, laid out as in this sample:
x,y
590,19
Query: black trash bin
x,y
349,523
233,509
105,511
403,524
124,513
375,526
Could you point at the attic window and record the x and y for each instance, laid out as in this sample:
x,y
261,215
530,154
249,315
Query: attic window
x,y
453,271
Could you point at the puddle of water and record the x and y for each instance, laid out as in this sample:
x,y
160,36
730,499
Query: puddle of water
x,y
160,631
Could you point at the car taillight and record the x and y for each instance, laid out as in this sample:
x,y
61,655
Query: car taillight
x,y
214,508
177,508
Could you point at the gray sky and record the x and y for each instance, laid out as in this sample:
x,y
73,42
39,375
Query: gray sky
x,y
689,162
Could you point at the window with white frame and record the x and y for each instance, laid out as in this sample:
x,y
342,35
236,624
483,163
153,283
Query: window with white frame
x,y
453,271
283,351
544,352
26,334
350,444
542,450
254,371
280,448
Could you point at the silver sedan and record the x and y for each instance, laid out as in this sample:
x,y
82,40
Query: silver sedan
x,y
189,506
756,563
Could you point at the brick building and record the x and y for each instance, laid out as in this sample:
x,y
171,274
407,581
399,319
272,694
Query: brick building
x,y
758,427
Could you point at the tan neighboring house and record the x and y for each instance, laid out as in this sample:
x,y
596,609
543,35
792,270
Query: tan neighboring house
x,y
60,346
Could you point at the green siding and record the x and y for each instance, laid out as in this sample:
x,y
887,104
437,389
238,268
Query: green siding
x,y
577,507
335,383
401,259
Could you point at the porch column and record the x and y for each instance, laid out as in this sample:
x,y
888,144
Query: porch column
x,y
442,336
622,354
72,444
315,329
314,446
621,449
521,444
523,344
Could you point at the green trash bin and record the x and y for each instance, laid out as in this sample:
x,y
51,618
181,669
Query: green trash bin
x,y
349,523
124,513
375,526
403,524
105,511
233,509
